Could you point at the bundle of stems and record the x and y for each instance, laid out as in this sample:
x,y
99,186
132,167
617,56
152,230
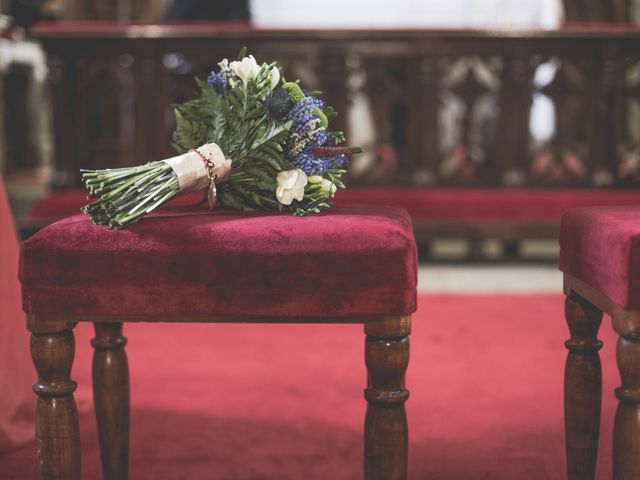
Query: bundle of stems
x,y
274,135
126,194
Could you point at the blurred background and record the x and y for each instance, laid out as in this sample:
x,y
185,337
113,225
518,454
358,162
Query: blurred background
x,y
485,119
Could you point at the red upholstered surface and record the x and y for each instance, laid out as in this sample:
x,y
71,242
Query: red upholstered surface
x,y
601,247
60,204
356,260
517,205
513,205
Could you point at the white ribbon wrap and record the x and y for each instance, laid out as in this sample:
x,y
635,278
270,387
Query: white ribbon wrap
x,y
191,171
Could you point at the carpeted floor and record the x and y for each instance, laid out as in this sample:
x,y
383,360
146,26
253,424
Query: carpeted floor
x,y
285,402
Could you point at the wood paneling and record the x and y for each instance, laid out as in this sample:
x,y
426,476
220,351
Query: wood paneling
x,y
449,108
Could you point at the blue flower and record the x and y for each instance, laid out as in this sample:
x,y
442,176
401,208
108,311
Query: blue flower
x,y
278,104
176,137
337,161
312,165
306,134
302,112
219,82
319,139
305,161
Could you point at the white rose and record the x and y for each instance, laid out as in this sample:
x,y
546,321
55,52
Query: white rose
x,y
325,185
224,65
274,75
291,185
245,69
328,187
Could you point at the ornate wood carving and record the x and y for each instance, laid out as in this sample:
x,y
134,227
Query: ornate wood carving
x,y
468,114
440,108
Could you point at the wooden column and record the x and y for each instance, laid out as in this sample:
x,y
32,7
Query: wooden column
x,y
582,388
626,433
111,396
57,432
515,109
385,429
426,127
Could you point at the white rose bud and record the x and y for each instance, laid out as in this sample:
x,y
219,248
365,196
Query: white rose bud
x,y
246,68
328,187
291,185
274,75
224,65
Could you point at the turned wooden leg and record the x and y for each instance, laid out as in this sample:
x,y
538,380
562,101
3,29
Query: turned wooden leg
x,y
57,432
582,388
111,396
385,429
626,433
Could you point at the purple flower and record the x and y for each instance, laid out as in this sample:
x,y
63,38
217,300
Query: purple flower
x,y
318,139
218,81
337,161
306,162
302,112
312,165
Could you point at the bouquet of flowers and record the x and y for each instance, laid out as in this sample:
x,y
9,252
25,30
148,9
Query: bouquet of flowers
x,y
251,139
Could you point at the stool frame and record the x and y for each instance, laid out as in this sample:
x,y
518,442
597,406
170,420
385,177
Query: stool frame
x,y
57,432
584,306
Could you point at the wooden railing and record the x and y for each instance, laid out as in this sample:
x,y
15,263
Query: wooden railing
x,y
432,108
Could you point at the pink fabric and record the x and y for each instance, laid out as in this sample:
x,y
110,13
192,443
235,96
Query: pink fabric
x,y
348,261
17,402
601,247
512,205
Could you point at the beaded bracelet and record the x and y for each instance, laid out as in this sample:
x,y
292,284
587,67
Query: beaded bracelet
x,y
208,163
212,191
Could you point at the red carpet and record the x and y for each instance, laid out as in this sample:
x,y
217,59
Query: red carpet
x,y
285,402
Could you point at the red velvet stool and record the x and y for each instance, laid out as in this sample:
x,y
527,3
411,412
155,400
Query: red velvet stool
x,y
353,264
600,258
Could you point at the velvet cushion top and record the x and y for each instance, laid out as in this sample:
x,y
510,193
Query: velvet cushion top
x,y
601,247
349,261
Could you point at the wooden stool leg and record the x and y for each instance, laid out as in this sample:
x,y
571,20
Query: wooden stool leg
x,y
57,432
626,434
582,388
385,428
111,396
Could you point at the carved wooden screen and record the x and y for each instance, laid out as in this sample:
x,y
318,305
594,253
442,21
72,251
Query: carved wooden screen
x,y
495,109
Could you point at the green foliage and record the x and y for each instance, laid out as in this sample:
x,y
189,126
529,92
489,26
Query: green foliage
x,y
237,122
293,91
324,121
337,138
330,112
236,119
